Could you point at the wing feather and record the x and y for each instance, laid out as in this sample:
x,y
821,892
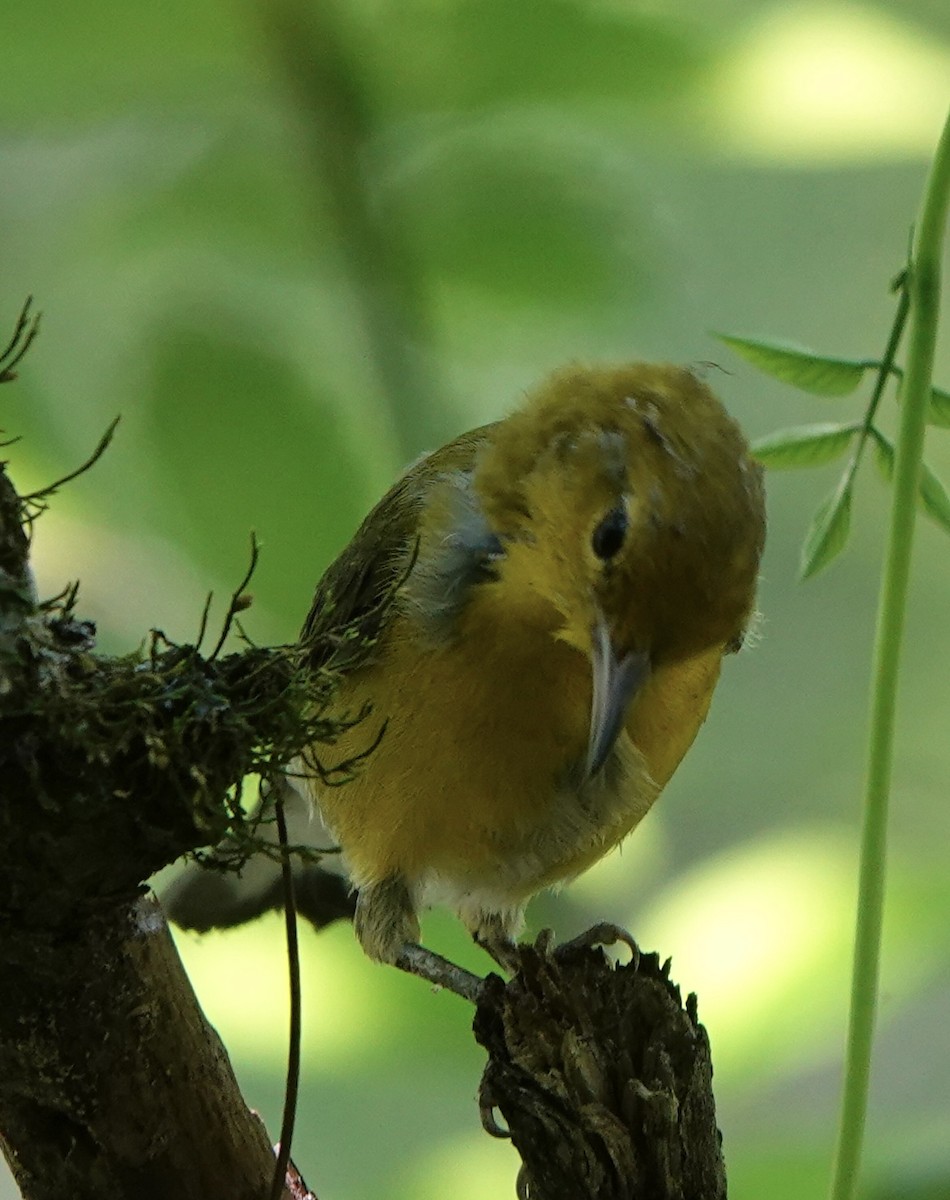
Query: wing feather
x,y
354,595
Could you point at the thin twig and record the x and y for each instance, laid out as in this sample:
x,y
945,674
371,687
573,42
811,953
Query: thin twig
x,y
203,623
238,600
293,1048
18,345
321,68
37,500
885,368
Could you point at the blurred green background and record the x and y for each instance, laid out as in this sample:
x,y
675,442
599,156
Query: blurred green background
x,y
293,255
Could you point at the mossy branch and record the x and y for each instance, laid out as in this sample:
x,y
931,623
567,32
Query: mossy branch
x,y
112,768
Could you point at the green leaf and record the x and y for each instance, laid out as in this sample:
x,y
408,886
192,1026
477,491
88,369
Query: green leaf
x,y
932,495
934,499
939,410
884,453
828,533
810,372
805,445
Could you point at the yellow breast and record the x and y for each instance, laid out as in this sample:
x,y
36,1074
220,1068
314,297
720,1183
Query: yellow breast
x,y
478,777
480,730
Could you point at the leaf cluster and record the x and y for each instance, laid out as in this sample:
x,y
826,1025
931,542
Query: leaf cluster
x,y
822,442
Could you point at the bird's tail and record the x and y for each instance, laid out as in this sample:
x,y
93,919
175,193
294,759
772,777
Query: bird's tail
x,y
206,897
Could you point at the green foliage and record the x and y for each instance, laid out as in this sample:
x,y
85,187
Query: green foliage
x,y
823,442
805,445
884,453
914,485
933,498
932,495
828,533
811,372
939,411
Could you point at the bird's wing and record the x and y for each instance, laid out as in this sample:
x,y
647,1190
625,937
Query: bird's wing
x,y
356,590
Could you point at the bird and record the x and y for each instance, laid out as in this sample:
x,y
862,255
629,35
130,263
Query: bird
x,y
543,605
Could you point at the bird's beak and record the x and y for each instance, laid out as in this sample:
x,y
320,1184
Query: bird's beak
x,y
615,682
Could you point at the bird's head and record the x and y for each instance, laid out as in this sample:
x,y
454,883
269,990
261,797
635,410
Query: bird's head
x,y
626,503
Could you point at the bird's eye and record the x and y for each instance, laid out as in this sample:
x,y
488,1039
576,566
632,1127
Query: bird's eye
x,y
608,537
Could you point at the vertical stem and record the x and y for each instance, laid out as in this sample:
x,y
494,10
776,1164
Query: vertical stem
x,y
923,286
321,67
293,1050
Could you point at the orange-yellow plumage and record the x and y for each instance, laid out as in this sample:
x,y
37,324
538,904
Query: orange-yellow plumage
x,y
542,607
570,580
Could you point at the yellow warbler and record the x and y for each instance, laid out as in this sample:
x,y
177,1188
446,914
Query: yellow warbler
x,y
567,582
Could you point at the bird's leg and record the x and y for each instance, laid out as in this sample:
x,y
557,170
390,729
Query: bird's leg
x,y
492,935
388,930
428,965
503,950
385,918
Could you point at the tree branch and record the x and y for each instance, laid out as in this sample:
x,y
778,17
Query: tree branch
x,y
112,1084
603,1077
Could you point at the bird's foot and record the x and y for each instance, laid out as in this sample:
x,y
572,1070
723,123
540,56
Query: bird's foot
x,y
493,934
439,971
505,952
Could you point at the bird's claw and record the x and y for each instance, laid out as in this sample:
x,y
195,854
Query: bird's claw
x,y
604,933
486,1111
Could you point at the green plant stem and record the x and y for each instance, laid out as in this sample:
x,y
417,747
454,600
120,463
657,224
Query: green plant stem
x,y
885,368
923,291
320,62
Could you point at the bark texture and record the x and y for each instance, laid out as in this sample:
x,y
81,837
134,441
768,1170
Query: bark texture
x,y
603,1077
112,1084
